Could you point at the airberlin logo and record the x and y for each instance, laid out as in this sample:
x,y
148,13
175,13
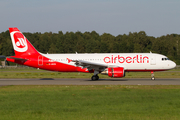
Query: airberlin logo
x,y
128,59
19,41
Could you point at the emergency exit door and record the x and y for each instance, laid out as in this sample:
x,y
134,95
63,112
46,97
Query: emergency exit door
x,y
40,60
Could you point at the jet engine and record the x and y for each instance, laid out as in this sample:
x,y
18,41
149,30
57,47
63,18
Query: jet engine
x,y
115,72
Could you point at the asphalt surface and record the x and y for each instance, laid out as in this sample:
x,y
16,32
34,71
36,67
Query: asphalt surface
x,y
86,81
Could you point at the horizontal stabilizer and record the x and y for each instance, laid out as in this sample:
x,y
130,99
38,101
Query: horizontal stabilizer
x,y
2,56
16,58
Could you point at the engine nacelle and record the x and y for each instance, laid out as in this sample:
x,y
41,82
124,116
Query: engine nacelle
x,y
115,72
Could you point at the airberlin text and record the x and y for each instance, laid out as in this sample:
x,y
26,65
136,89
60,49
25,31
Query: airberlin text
x,y
128,59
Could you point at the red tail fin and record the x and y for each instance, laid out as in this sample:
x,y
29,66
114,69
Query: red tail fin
x,y
22,47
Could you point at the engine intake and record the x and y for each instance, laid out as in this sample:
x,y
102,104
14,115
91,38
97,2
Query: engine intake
x,y
116,72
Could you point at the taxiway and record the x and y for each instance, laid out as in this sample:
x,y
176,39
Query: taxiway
x,y
84,81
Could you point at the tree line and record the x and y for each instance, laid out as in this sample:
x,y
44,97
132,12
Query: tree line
x,y
92,42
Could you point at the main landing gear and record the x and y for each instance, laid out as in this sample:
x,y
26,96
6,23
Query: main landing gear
x,y
95,77
152,76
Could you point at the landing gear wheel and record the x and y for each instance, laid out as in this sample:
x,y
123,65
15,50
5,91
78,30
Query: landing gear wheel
x,y
153,78
95,77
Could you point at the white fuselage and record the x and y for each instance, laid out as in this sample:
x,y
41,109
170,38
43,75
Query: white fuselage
x,y
129,61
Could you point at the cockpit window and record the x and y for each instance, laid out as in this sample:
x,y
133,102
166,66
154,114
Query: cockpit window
x,y
165,59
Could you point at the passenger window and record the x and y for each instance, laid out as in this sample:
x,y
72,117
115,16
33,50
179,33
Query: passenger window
x,y
162,58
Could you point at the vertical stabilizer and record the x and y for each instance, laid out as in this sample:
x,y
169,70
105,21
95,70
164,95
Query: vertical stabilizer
x,y
22,47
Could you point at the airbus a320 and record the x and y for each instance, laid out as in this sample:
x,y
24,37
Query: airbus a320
x,y
112,64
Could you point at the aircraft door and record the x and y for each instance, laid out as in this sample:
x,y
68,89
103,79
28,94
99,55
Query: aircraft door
x,y
153,60
40,60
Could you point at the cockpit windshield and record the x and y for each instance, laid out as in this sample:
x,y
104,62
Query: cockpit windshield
x,y
163,59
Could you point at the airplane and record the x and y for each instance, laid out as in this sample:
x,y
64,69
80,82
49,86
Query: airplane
x,y
114,65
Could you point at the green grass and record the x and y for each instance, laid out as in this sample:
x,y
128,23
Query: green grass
x,y
35,73
90,102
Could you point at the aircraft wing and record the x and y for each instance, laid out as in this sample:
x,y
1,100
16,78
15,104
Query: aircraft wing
x,y
90,65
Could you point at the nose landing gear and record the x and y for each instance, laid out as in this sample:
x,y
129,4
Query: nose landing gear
x,y
152,76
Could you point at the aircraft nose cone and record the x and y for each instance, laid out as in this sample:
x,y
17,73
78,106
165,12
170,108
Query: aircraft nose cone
x,y
173,64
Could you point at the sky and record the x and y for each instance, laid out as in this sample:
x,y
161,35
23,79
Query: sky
x,y
117,17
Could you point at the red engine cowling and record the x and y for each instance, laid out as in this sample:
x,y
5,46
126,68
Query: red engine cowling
x,y
116,72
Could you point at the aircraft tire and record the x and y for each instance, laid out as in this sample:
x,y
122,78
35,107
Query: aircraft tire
x,y
95,77
153,78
